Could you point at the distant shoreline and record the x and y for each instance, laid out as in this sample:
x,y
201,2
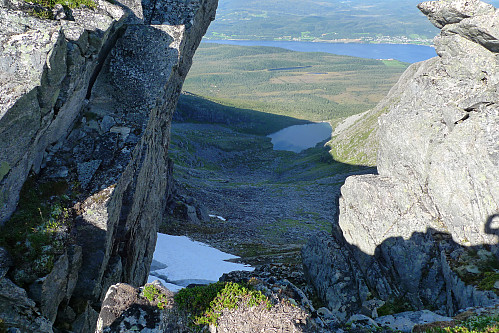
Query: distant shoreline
x,y
409,53
333,41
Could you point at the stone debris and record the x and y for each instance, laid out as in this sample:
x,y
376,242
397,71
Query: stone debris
x,y
361,321
405,321
86,171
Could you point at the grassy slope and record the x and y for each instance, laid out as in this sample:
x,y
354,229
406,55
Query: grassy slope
x,y
357,143
327,88
195,109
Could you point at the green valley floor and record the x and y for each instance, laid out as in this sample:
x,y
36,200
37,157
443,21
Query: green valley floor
x,y
273,201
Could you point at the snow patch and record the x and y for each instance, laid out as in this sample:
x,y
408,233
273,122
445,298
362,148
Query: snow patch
x,y
179,261
218,217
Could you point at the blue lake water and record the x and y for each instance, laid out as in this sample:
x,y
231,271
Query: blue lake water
x,y
300,137
402,52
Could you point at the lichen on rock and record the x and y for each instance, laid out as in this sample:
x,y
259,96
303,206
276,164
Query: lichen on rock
x,y
81,99
437,191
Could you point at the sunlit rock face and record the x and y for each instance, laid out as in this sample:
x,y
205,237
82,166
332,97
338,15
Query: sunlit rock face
x,y
90,100
45,70
436,197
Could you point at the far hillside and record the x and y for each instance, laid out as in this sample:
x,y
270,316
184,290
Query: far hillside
x,y
311,86
392,21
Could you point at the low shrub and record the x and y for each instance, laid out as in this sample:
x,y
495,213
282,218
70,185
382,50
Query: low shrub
x,y
484,324
207,303
39,229
153,294
66,3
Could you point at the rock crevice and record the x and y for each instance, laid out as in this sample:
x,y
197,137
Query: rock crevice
x,y
91,101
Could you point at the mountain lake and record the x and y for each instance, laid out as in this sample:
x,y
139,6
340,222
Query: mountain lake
x,y
300,137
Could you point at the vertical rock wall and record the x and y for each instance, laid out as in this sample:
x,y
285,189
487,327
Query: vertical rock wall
x,y
45,70
96,109
139,200
436,198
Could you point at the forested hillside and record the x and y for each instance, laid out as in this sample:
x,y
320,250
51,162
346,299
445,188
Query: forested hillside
x,y
312,86
369,21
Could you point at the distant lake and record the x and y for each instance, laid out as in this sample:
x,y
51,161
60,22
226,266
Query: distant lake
x,y
402,52
300,137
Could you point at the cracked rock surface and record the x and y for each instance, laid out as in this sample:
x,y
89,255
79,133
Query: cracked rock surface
x,y
437,191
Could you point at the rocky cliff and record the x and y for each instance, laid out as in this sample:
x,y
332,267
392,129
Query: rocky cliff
x,y
87,101
422,234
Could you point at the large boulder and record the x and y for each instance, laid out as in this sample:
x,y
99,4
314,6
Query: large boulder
x,y
444,12
437,191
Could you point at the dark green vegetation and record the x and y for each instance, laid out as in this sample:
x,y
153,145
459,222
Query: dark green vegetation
x,y
320,87
273,200
44,11
205,304
197,109
153,294
395,305
320,19
478,268
65,3
38,231
486,324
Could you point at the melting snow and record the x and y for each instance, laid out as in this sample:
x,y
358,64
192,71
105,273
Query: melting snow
x,y
179,261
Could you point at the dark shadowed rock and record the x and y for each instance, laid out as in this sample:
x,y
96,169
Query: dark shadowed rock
x,y
5,262
335,277
18,311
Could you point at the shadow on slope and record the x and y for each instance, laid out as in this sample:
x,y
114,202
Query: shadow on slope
x,y
429,271
193,108
234,140
273,201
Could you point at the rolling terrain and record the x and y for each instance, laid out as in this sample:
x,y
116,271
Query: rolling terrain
x,y
355,20
234,96
310,86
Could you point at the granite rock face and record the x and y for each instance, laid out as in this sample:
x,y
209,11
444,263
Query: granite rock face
x,y
444,12
45,71
437,192
91,101
20,311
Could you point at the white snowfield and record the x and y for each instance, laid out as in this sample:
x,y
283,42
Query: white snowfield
x,y
179,261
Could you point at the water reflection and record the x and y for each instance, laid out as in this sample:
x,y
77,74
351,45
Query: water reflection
x,y
300,137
